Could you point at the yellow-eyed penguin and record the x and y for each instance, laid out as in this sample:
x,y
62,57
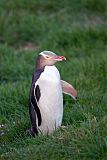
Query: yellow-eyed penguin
x,y
46,98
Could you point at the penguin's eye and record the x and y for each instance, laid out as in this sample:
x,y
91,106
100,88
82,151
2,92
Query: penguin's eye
x,y
47,57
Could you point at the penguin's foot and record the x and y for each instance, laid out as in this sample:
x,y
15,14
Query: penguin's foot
x,y
30,132
63,127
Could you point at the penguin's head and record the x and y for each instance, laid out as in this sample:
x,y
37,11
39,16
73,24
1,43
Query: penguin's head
x,y
48,58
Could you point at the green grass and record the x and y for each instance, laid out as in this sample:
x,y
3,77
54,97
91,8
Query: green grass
x,y
78,30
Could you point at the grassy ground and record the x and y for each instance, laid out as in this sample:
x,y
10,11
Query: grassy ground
x,y
78,30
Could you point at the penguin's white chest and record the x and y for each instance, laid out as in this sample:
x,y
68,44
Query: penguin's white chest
x,y
51,99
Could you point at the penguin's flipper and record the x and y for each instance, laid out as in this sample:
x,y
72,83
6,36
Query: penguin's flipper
x,y
33,130
34,110
35,99
68,89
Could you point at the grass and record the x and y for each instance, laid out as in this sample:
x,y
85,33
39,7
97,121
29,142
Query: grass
x,y
78,30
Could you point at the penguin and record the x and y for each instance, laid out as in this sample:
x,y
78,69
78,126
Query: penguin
x,y
46,95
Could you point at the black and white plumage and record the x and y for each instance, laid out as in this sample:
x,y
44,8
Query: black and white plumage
x,y
46,98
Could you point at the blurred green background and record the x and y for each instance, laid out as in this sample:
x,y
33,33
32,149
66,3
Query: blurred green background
x,y
76,29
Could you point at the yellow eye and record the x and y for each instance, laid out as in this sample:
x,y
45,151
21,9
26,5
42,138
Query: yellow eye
x,y
47,56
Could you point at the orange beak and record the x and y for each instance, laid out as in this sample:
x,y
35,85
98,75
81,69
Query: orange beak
x,y
59,58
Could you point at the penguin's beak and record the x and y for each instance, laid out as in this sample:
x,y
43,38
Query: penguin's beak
x,y
59,58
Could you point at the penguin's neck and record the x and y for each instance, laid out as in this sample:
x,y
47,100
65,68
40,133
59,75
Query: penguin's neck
x,y
40,67
48,68
51,71
40,63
